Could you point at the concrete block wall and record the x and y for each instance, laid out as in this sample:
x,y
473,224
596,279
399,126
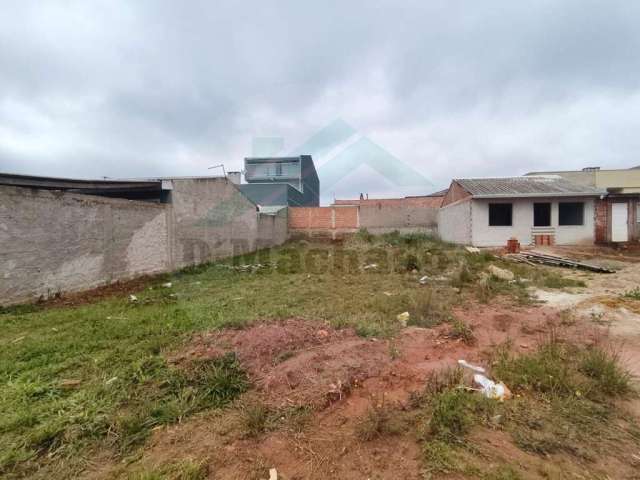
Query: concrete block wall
x,y
54,242
398,217
210,218
272,229
454,222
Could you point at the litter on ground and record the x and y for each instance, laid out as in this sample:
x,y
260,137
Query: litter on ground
x,y
475,368
403,318
491,389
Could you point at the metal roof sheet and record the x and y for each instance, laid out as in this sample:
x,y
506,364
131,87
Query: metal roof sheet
x,y
528,186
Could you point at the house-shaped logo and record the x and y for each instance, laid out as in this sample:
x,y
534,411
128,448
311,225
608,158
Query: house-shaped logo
x,y
339,150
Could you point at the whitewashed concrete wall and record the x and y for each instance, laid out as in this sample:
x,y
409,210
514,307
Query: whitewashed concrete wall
x,y
454,222
522,223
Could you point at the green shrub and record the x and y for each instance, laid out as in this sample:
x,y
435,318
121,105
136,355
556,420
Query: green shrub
x,y
430,308
633,294
463,331
254,419
408,262
454,411
462,276
380,419
439,457
546,370
604,369
364,235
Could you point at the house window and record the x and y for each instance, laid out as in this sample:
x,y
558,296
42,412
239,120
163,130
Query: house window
x,y
541,214
278,169
571,213
500,214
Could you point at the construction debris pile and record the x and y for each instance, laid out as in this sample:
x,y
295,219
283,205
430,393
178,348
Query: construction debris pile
x,y
532,257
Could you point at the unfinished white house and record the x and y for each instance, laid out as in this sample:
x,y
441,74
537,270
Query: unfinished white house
x,y
545,209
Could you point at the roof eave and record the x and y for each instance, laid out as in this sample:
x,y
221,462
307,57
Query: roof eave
x,y
539,195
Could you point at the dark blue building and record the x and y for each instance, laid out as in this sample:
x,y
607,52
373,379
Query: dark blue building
x,y
290,181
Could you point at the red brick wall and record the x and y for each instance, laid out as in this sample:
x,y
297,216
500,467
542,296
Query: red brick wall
x,y
323,218
455,193
395,202
601,221
346,217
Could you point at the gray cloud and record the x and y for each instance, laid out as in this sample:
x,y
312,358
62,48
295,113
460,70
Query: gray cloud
x,y
450,88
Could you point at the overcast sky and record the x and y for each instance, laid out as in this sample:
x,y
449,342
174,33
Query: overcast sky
x,y
452,89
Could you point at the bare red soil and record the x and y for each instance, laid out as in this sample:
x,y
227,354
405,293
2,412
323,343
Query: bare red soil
x,y
299,362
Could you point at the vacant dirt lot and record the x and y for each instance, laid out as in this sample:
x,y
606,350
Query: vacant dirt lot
x,y
297,360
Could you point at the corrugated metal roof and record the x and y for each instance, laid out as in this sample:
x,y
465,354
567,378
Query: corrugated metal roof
x,y
129,189
529,186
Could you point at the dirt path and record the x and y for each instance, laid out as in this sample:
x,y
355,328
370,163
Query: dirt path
x,y
603,302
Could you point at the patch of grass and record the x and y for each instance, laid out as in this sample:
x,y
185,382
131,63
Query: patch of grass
x,y
394,351
439,457
368,327
364,235
463,276
561,369
431,307
255,418
409,262
633,294
184,470
440,381
603,368
381,419
567,399
463,331
564,404
555,280
502,473
548,370
450,413
455,411
20,309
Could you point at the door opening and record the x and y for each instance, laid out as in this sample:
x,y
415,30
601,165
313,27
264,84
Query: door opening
x,y
619,222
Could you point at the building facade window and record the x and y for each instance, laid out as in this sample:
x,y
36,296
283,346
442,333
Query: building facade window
x,y
541,214
500,214
570,213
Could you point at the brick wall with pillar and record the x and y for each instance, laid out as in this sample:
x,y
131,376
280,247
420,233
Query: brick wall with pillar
x,y
602,221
